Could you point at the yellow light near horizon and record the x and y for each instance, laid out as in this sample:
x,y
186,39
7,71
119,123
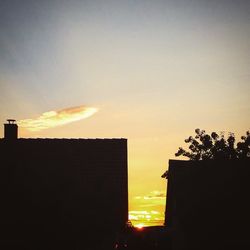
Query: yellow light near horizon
x,y
146,218
140,226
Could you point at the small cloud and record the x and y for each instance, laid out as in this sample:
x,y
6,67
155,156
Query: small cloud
x,y
154,212
138,212
53,119
138,197
154,195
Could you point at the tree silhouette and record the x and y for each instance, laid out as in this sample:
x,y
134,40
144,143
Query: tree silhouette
x,y
214,147
204,146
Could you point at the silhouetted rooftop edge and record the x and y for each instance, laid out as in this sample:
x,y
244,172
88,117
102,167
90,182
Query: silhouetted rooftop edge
x,y
67,139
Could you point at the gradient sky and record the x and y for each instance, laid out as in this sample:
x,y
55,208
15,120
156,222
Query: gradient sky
x,y
155,70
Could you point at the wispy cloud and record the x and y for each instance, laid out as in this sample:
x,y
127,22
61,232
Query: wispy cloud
x,y
53,118
154,195
146,218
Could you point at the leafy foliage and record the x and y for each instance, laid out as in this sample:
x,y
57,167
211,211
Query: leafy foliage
x,y
204,146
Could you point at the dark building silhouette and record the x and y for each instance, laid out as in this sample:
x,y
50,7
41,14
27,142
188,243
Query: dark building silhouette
x,y
61,193
208,204
148,238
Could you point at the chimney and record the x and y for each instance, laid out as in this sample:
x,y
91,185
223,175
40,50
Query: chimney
x,y
10,130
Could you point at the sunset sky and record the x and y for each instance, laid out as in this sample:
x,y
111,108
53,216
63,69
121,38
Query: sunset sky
x,y
150,71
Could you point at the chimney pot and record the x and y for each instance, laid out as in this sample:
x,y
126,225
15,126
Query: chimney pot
x,y
10,130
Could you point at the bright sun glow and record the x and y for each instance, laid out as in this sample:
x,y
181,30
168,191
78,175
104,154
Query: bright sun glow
x,y
140,226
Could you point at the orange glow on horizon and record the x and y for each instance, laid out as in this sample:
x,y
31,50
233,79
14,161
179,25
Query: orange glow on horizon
x,y
139,226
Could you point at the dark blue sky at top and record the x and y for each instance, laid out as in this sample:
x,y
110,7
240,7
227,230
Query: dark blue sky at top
x,y
27,20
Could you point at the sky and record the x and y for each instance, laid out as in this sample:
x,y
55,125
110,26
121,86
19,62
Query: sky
x,y
148,71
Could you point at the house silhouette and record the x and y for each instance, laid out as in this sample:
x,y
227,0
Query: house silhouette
x,y
207,204
61,193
